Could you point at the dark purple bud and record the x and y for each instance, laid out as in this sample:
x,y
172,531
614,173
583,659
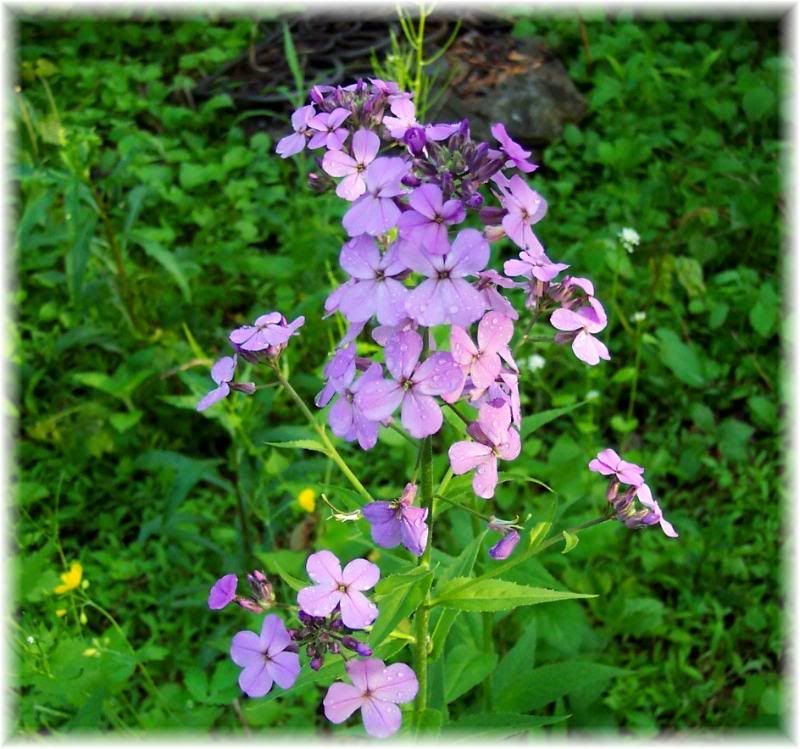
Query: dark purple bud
x,y
311,651
316,662
305,618
358,647
248,388
505,546
446,183
491,215
474,201
337,624
249,605
463,128
293,633
334,648
316,95
414,138
613,490
411,181
261,586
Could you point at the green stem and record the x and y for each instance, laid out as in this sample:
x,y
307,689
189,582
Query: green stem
x,y
321,433
422,616
637,360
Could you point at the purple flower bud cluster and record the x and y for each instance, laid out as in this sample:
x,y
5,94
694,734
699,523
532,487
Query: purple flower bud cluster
x,y
609,463
330,611
265,339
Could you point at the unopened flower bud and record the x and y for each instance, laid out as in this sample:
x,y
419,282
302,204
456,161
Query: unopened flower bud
x,y
304,617
414,138
613,490
337,624
474,201
334,648
311,650
358,647
248,388
316,662
248,604
261,586
505,546
411,181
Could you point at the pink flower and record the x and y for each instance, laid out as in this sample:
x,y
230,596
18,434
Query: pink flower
x,y
405,117
580,324
265,658
524,207
645,496
608,462
482,362
494,438
329,134
340,588
446,296
534,265
365,147
517,155
426,224
375,212
413,386
398,522
296,142
376,690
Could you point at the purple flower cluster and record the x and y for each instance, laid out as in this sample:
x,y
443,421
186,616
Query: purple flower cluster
x,y
266,338
331,611
609,463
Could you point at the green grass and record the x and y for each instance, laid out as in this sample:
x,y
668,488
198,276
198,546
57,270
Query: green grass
x,y
147,228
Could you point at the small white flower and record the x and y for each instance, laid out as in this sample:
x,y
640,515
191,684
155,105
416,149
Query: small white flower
x,y
638,316
629,238
592,395
535,361
30,639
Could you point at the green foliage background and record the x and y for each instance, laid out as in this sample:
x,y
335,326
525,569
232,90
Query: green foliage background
x,y
149,225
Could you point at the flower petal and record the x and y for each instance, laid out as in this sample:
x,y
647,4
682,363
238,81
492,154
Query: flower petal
x,y
255,680
318,600
284,668
395,683
361,575
274,637
357,611
341,701
246,648
381,719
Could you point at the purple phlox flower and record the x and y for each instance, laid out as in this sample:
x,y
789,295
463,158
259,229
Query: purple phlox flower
x,y
335,587
222,592
509,537
445,296
494,438
571,292
579,325
608,463
222,373
328,131
534,266
482,362
487,284
413,386
441,130
377,689
265,658
296,142
346,418
365,146
377,290
426,224
517,155
389,88
645,496
399,522
339,373
524,207
383,333
404,113
268,334
375,212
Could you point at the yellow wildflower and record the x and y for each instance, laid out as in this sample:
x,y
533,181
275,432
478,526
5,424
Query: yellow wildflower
x,y
307,499
61,612
71,579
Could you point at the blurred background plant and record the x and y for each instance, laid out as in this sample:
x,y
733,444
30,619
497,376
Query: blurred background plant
x,y
149,223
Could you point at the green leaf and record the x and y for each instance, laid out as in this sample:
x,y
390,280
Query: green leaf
x,y
758,102
531,423
78,255
501,724
300,445
681,358
468,594
443,619
548,683
430,721
397,596
764,312
122,422
465,668
689,273
293,582
516,664
570,541
168,262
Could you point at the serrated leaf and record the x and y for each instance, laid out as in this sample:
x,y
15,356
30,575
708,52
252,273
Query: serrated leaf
x,y
397,596
496,595
300,445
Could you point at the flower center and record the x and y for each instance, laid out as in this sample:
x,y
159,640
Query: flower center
x,y
443,274
342,588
